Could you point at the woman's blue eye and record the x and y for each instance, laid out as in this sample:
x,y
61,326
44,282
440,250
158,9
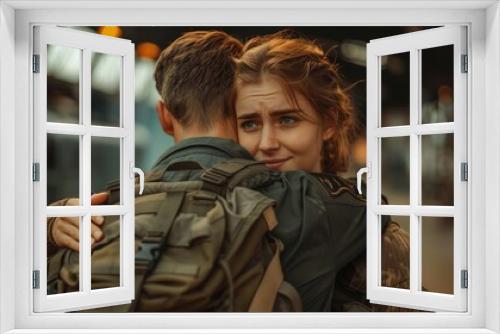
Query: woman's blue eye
x,y
288,120
249,125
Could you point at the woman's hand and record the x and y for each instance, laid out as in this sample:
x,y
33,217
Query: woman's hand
x,y
65,231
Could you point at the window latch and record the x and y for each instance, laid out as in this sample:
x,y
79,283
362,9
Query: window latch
x,y
359,176
133,171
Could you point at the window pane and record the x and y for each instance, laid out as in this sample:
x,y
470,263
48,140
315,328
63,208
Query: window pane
x,y
437,84
437,254
105,99
106,166
71,274
395,249
395,169
395,90
63,84
437,169
63,156
106,255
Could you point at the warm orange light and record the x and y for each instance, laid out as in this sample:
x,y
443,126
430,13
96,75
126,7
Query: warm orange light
x,y
112,31
445,94
148,50
359,151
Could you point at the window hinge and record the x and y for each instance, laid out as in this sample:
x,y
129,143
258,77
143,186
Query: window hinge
x,y
36,63
464,279
36,172
36,279
465,64
464,171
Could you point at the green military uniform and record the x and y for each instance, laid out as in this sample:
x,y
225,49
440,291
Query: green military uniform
x,y
322,223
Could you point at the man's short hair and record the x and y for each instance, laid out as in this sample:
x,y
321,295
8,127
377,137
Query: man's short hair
x,y
195,74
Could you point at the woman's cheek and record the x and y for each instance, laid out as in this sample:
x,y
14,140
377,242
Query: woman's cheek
x,y
248,141
301,139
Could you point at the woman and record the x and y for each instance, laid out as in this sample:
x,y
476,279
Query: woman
x,y
293,113
291,110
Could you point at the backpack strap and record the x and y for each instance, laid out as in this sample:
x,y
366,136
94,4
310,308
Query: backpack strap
x,y
290,296
265,296
228,174
183,165
154,241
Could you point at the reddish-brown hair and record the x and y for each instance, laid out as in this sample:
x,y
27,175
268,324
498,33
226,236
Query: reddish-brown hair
x,y
195,74
303,68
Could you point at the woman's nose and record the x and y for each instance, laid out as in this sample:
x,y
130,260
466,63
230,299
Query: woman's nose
x,y
268,140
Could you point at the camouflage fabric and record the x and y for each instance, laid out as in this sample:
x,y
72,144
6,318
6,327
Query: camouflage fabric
x,y
350,294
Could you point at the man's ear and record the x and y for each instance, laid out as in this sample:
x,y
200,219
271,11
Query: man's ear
x,y
165,118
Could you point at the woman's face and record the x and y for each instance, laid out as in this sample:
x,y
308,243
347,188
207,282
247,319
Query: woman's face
x,y
284,136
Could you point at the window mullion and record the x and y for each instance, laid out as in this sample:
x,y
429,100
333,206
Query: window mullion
x,y
85,168
415,232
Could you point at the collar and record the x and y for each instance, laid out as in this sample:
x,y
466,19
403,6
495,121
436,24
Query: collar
x,y
210,145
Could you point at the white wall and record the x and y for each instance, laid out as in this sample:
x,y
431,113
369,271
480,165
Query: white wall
x,y
492,212
7,176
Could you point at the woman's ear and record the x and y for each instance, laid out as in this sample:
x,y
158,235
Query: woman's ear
x,y
328,133
165,118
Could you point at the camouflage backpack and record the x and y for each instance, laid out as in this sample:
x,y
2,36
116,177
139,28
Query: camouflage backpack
x,y
200,246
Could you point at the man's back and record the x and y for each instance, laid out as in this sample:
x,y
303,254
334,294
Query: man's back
x,y
322,227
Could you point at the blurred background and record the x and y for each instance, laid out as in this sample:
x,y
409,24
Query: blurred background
x,y
345,45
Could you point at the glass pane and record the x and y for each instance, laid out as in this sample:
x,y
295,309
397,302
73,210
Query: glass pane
x,y
105,99
395,90
106,253
63,84
395,169
106,167
437,254
437,84
63,156
396,252
58,229
437,169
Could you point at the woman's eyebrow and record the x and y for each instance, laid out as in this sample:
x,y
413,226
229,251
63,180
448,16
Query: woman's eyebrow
x,y
280,112
273,113
247,116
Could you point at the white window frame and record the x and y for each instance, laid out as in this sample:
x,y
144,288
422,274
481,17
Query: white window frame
x,y
86,44
16,21
415,44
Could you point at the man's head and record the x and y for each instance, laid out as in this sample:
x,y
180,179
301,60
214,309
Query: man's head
x,y
194,76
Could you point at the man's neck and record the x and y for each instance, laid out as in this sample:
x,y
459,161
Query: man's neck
x,y
220,130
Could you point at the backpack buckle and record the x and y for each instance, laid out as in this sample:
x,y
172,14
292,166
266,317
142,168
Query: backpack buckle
x,y
147,252
215,176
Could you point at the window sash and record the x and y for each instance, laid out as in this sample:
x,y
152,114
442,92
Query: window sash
x,y
86,43
413,43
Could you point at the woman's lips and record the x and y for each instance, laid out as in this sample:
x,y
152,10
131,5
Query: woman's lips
x,y
275,163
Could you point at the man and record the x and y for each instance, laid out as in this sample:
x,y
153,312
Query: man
x,y
321,223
